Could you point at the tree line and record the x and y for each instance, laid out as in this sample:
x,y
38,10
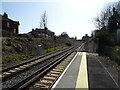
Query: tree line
x,y
107,24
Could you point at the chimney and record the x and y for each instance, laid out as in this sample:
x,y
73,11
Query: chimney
x,y
5,15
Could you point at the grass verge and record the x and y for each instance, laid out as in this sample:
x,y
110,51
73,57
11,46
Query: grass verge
x,y
19,57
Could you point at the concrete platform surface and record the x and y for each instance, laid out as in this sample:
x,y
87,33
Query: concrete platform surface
x,y
71,76
85,72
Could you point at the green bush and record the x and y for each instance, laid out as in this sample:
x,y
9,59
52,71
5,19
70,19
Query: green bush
x,y
18,57
52,49
6,44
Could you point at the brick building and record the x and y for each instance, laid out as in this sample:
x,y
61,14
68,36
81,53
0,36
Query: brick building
x,y
8,26
41,33
85,38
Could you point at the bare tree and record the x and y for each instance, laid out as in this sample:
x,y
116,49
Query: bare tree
x,y
103,19
43,23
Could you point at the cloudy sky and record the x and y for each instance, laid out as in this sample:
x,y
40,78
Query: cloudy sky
x,y
72,16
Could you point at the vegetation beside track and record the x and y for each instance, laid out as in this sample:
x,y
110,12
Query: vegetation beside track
x,y
19,57
106,35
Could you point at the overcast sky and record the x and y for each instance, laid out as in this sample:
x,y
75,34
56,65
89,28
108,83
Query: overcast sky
x,y
72,16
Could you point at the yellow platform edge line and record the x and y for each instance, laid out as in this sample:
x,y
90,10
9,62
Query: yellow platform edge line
x,y
82,79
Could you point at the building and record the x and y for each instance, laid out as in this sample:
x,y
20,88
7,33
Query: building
x,y
85,38
64,35
8,26
41,33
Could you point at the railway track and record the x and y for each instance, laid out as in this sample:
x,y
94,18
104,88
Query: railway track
x,y
46,76
27,73
24,83
48,79
13,70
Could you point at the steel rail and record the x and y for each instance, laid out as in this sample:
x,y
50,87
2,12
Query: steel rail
x,y
30,60
40,72
20,71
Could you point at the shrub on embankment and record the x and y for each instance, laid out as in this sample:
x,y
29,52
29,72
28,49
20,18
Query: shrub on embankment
x,y
106,34
24,48
19,57
113,53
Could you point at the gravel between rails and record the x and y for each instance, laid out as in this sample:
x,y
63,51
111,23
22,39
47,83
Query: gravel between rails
x,y
21,76
65,62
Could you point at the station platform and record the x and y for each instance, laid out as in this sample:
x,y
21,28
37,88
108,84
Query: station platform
x,y
86,72
75,75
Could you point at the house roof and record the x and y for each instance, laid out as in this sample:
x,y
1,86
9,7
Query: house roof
x,y
7,19
41,30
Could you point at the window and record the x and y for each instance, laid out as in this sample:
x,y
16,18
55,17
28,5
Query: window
x,y
14,30
8,24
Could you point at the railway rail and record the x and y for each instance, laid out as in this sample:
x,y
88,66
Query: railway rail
x,y
46,76
22,84
13,70
29,74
